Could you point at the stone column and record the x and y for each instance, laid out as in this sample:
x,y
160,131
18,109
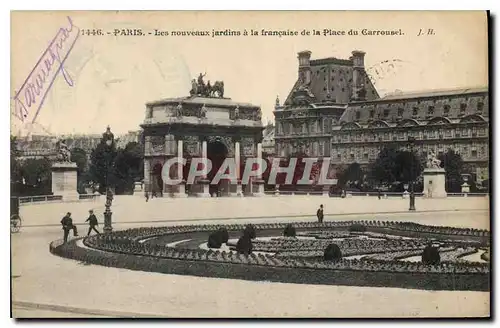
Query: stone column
x,y
259,182
237,156
205,181
182,185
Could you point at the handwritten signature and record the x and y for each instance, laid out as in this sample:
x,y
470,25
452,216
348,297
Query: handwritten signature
x,y
34,90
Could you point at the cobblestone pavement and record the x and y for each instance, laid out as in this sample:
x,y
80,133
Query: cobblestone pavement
x,y
44,285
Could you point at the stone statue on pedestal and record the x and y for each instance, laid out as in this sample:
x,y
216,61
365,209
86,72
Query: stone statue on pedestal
x,y
432,161
237,112
178,110
64,154
203,111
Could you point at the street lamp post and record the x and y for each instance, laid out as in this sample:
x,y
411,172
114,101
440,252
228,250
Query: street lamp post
x,y
108,139
411,141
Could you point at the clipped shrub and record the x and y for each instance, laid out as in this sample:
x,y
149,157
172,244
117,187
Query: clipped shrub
x,y
332,253
223,234
430,255
486,256
217,238
250,231
357,227
214,240
289,231
244,245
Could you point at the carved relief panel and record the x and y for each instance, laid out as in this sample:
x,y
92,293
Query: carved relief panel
x,y
192,145
247,146
157,144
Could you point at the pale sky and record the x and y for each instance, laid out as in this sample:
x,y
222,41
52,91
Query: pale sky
x,y
115,76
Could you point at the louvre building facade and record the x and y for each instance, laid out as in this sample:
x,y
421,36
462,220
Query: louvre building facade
x,y
334,110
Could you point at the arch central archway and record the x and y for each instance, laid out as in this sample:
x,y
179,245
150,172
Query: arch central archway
x,y
217,152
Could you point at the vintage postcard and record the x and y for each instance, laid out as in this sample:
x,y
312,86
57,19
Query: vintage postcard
x,y
255,164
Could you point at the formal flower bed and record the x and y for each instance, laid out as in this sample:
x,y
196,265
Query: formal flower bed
x,y
294,252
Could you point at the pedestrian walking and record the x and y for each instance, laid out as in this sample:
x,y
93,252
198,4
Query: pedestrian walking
x,y
319,213
92,220
67,225
147,196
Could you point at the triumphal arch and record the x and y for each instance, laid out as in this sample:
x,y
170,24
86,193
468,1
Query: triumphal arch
x,y
204,125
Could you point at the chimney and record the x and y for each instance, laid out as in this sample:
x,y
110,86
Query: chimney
x,y
304,67
358,84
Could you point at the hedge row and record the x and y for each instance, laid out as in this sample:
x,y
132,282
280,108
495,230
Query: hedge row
x,y
144,233
127,246
370,278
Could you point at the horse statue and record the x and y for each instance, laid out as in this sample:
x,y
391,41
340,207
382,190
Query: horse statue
x,y
199,88
218,88
432,161
64,154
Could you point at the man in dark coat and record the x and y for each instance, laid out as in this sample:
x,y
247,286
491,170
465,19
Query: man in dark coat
x,y
92,220
67,225
319,214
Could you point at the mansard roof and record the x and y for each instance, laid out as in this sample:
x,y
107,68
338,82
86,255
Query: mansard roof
x,y
331,80
434,107
435,93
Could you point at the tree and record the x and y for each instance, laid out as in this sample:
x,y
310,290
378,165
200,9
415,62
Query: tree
x,y
102,161
79,156
454,166
37,175
15,167
408,166
383,170
393,165
352,173
128,167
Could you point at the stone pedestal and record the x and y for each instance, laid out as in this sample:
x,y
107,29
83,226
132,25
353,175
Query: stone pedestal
x,y
138,189
181,191
64,180
239,190
465,187
434,183
205,188
260,188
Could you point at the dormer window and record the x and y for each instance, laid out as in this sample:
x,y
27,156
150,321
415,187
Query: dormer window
x,y
415,111
386,112
446,110
430,110
480,106
358,115
400,111
463,108
372,113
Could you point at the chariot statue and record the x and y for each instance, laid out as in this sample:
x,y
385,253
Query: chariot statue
x,y
63,152
199,88
432,161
